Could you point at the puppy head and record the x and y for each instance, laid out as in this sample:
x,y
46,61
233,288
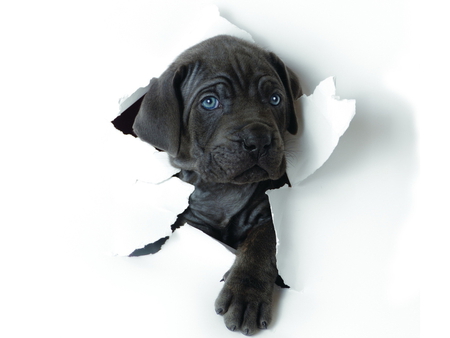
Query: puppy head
x,y
221,110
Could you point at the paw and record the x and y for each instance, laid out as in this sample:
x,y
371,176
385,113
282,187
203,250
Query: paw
x,y
245,302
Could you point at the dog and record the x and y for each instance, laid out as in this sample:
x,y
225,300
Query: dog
x,y
221,112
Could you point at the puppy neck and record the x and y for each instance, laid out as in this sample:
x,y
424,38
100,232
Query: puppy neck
x,y
226,211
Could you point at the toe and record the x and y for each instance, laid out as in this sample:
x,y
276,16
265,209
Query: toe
x,y
250,320
223,301
265,315
233,317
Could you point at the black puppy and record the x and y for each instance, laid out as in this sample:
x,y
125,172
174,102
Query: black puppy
x,y
221,111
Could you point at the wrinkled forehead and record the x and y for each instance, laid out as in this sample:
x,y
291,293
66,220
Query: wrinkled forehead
x,y
233,74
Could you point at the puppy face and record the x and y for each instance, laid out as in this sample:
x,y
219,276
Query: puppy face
x,y
221,110
236,121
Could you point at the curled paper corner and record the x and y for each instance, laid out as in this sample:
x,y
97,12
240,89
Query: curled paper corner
x,y
339,111
325,118
217,25
145,213
126,101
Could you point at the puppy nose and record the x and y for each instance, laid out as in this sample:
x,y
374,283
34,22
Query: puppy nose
x,y
256,139
257,144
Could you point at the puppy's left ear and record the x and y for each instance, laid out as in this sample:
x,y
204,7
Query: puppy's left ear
x,y
292,87
158,121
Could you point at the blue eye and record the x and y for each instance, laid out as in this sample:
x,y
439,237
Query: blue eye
x,y
275,100
210,103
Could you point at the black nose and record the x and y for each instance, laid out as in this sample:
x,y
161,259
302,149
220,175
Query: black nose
x,y
256,139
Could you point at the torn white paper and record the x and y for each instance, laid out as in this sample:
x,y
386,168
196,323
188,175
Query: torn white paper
x,y
324,119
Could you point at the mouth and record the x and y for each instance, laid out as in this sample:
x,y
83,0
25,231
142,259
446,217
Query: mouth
x,y
239,168
253,174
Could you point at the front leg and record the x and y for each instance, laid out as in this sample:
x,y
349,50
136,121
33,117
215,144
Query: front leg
x,y
246,298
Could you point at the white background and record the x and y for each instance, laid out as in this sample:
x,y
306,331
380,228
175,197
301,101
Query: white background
x,y
357,245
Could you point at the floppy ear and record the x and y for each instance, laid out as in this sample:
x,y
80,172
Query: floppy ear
x,y
292,87
158,121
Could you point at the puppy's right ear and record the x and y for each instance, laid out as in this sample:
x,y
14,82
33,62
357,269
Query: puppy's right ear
x,y
293,89
158,121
